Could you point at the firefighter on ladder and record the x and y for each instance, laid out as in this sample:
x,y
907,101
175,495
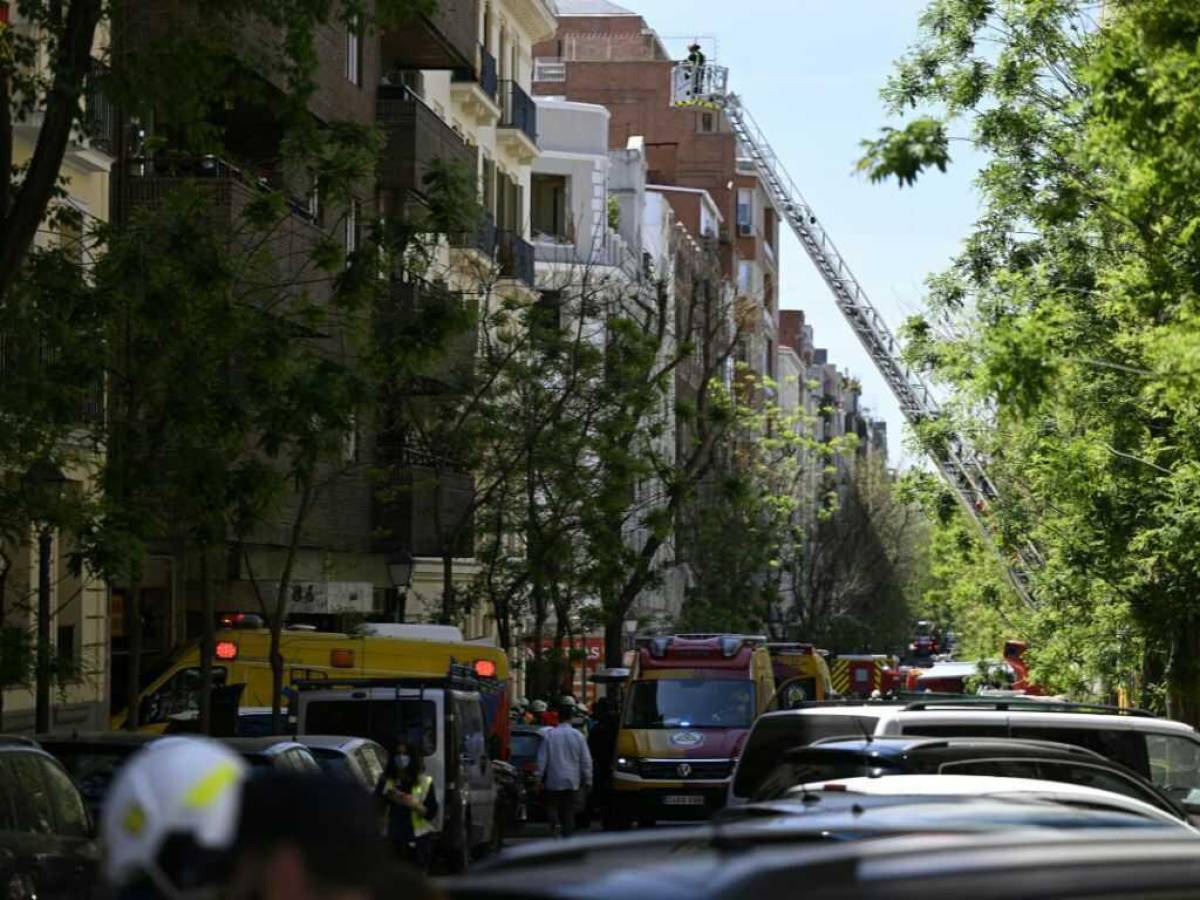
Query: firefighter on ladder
x,y
696,60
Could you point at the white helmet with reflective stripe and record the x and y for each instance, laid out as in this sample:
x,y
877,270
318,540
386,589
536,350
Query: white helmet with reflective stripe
x,y
179,789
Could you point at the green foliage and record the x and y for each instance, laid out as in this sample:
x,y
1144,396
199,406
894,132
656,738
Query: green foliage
x,y
1066,329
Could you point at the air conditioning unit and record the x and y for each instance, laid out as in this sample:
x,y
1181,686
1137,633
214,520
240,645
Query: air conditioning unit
x,y
745,229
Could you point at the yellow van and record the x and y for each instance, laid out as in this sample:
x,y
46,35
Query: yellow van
x,y
242,656
689,703
801,674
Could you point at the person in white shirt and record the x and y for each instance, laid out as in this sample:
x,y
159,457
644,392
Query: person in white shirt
x,y
564,769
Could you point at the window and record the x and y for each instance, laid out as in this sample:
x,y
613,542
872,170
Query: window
x,y
745,278
353,217
775,735
371,759
489,185
706,123
690,703
549,205
178,695
354,54
31,799
745,212
383,721
67,654
1175,766
69,812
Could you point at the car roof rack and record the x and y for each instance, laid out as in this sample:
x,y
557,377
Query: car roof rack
x,y
1027,704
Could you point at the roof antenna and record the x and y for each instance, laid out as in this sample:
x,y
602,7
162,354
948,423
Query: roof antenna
x,y
866,732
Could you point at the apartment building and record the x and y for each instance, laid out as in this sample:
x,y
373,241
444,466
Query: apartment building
x,y
79,602
606,54
459,89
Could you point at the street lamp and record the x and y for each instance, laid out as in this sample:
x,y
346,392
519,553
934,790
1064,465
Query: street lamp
x,y
400,573
47,481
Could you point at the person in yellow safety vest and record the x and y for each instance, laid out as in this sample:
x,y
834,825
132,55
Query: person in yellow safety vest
x,y
412,806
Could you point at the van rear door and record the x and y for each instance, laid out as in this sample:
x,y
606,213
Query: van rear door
x,y
384,716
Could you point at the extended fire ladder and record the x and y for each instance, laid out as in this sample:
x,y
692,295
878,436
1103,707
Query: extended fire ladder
x,y
961,466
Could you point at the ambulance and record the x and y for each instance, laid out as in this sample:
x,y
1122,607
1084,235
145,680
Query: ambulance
x,y
242,656
801,674
688,704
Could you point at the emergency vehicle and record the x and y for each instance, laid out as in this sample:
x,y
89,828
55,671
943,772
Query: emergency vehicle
x,y
801,674
688,705
861,674
242,656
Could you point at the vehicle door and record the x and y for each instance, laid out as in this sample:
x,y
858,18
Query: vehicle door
x,y
58,865
475,765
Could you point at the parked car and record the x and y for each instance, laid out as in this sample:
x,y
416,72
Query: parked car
x,y
47,846
695,864
93,759
284,754
252,721
836,758
356,759
990,786
1165,752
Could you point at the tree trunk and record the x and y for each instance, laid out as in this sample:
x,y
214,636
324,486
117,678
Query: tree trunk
x,y
281,599
208,644
614,634
133,632
1183,673
449,601
43,674
71,63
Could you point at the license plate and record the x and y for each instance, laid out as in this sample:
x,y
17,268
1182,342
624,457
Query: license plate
x,y
683,800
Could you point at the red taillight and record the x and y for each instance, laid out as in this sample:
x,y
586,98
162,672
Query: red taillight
x,y
485,668
833,787
226,650
341,658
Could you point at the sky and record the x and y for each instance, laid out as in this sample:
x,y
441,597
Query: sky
x,y
810,72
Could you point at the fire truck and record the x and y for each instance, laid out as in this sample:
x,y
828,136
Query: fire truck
x,y
688,704
861,674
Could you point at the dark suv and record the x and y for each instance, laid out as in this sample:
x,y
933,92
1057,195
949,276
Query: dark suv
x,y
46,837
836,758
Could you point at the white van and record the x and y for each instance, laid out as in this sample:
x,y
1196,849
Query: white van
x,y
1164,751
445,718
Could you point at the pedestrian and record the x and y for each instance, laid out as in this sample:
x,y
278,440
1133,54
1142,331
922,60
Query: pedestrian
x,y
696,56
602,744
411,803
539,709
564,769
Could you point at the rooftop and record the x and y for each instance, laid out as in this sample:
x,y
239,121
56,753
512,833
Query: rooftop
x,y
591,8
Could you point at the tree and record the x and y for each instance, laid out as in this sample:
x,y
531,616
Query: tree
x,y
1066,328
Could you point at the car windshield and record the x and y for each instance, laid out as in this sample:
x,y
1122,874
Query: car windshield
x,y
332,762
384,721
93,769
690,703
817,767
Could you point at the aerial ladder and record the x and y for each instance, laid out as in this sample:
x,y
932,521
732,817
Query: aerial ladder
x,y
706,87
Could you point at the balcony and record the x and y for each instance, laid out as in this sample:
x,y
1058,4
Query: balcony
x,y
416,136
517,131
481,241
422,314
516,257
424,507
476,88
443,39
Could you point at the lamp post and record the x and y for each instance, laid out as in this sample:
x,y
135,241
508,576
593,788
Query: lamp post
x,y
400,572
48,482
